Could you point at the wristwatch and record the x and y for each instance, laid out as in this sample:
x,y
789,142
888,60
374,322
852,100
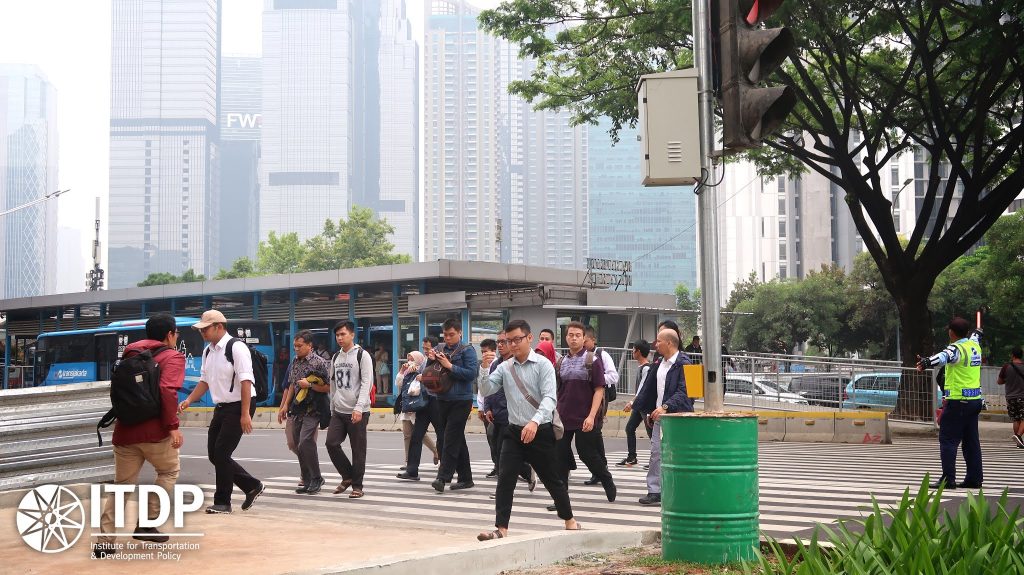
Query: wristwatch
x,y
664,407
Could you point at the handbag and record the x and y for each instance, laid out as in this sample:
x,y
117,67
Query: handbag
x,y
556,420
413,399
438,379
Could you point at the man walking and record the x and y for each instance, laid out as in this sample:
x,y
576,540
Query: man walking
x,y
495,407
453,408
581,388
1012,376
351,376
663,392
961,404
641,349
611,380
529,383
695,351
155,440
489,429
304,403
231,386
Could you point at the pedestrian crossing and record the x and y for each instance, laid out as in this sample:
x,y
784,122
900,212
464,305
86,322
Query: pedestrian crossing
x,y
801,485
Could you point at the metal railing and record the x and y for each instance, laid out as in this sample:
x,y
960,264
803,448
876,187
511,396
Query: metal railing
x,y
48,435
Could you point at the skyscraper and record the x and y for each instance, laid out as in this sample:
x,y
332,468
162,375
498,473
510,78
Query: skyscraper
x,y
240,117
306,159
28,171
654,227
164,157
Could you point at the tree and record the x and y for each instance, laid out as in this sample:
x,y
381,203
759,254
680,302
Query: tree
x,y
280,254
164,278
742,290
873,321
359,241
874,79
774,320
690,303
243,267
823,295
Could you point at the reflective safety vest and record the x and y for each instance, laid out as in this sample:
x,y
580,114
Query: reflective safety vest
x,y
963,378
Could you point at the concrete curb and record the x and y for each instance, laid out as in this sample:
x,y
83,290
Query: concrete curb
x,y
509,554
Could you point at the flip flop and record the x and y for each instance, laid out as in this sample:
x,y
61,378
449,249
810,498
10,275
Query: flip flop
x,y
343,487
490,536
579,527
356,494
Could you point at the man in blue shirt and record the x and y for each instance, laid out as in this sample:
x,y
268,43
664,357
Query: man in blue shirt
x,y
529,383
453,407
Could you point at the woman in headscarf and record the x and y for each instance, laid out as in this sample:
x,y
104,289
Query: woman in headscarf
x,y
547,349
403,380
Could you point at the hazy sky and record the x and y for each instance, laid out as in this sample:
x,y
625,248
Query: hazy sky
x,y
69,40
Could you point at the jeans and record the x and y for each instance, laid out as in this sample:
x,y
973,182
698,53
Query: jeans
x,y
654,472
341,426
424,417
959,423
635,419
450,423
540,453
221,441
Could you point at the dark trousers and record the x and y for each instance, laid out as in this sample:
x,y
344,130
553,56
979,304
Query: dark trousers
x,y
450,424
304,428
341,426
635,419
541,454
959,423
493,440
590,447
499,434
424,418
221,441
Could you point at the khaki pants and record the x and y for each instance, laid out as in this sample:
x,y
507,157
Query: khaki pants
x,y
128,460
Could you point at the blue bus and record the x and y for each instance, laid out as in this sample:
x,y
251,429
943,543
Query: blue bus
x,y
80,355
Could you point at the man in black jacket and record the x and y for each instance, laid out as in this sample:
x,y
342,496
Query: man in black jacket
x,y
663,392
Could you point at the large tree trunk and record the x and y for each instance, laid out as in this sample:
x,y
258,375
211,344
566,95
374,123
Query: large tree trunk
x,y
917,391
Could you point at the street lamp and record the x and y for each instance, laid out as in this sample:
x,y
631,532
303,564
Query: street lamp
x,y
895,198
34,202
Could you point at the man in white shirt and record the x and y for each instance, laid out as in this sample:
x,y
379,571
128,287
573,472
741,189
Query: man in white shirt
x,y
663,392
231,386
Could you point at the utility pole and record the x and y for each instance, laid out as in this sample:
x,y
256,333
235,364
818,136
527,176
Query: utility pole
x,y
94,277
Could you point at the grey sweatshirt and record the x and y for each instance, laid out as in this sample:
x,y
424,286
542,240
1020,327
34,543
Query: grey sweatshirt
x,y
350,385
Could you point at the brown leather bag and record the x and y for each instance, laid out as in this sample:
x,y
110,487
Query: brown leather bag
x,y
436,378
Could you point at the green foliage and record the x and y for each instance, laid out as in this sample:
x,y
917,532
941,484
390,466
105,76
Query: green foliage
x,y
916,537
686,301
359,241
164,278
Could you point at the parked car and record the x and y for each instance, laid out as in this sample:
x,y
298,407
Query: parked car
x,y
872,391
820,389
738,389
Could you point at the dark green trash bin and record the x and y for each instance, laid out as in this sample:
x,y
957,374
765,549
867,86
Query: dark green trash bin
x,y
709,508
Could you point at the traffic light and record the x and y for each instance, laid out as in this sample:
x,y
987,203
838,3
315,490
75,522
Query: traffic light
x,y
748,55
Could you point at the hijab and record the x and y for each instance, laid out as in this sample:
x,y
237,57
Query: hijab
x,y
547,349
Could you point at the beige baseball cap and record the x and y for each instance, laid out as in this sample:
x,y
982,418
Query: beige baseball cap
x,y
209,318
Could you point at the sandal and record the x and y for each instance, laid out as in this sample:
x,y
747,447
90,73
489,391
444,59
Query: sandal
x,y
356,494
490,536
341,488
579,527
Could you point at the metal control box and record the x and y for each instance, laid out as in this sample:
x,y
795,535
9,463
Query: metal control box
x,y
669,128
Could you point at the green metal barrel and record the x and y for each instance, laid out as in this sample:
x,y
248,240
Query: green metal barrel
x,y
709,488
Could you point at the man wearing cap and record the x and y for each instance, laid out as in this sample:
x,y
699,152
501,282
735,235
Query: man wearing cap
x,y
232,389
641,349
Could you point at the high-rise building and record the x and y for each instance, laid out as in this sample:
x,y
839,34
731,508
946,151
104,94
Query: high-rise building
x,y
240,117
385,119
306,160
164,156
28,172
653,227
502,182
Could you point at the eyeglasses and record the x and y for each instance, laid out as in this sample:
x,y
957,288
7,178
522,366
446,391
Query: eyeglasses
x,y
502,341
516,340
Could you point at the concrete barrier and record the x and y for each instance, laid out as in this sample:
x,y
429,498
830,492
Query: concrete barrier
x,y
811,426
862,427
771,426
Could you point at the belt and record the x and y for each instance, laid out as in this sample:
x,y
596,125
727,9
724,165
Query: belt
x,y
227,403
520,427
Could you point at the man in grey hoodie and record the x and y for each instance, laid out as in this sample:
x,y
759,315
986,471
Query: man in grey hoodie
x,y
351,377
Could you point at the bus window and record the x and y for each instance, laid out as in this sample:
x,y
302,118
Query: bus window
x,y
106,354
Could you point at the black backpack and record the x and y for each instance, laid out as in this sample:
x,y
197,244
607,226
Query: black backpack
x,y
134,389
260,371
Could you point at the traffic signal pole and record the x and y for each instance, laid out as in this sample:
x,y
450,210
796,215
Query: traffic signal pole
x,y
707,207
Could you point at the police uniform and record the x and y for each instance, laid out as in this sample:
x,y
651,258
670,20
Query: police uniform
x,y
962,404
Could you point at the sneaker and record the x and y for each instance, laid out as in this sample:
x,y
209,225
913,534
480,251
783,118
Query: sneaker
x,y
438,485
315,486
217,508
405,475
627,462
1020,441
592,481
101,550
251,496
302,488
150,534
462,485
492,474
651,499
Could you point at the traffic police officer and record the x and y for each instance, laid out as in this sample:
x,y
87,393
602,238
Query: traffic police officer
x,y
962,403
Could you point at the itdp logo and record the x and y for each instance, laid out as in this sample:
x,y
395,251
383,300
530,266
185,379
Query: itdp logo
x,y
50,518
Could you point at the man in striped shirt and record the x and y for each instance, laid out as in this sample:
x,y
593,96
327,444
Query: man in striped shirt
x,y
529,383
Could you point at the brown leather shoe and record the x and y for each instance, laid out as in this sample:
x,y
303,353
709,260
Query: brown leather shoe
x,y
343,486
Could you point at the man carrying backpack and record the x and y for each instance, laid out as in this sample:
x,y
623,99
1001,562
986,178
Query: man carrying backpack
x,y
155,440
230,380
351,378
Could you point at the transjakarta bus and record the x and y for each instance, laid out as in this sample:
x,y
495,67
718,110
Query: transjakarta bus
x,y
80,355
